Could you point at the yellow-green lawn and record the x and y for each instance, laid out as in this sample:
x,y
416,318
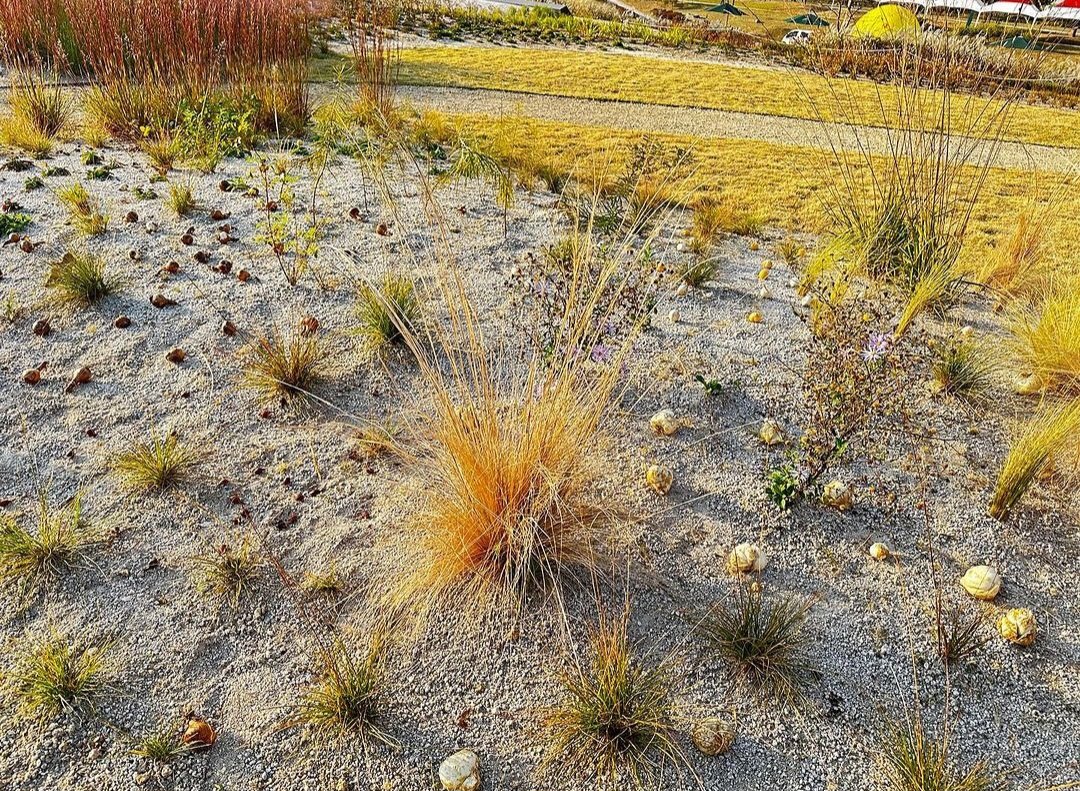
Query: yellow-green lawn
x,y
688,83
786,183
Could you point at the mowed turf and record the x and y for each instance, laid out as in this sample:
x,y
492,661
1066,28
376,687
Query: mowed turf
x,y
688,83
787,183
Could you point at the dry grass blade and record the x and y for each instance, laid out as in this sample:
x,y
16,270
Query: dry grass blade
x,y
960,635
86,214
1048,432
764,641
616,720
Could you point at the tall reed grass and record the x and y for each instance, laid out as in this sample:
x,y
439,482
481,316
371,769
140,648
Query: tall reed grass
x,y
149,60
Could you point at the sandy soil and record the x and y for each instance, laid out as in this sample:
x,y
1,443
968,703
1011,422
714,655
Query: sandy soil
x,y
178,651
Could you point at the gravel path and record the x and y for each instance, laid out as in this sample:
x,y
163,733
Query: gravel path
x,y
707,123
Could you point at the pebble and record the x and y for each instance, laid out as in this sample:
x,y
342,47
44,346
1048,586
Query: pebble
x,y
460,772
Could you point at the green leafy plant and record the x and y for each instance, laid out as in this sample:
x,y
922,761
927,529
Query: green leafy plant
x,y
782,487
14,222
712,387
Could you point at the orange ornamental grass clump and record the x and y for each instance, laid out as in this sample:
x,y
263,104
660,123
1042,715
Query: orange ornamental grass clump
x,y
510,469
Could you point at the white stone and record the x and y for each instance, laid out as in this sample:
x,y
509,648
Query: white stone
x,y
460,772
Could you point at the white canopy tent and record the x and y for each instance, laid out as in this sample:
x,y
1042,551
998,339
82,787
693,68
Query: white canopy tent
x,y
1012,8
1062,11
957,5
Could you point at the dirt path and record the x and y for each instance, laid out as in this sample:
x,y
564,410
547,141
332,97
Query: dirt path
x,y
707,123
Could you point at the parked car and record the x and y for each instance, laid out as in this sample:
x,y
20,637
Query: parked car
x,y
797,36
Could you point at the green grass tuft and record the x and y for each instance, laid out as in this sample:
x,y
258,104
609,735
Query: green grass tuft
x,y
62,534
763,641
616,719
54,675
385,309
157,464
80,279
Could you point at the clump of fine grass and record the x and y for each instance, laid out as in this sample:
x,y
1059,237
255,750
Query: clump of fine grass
x,y
60,536
790,251
963,367
1047,336
714,216
86,214
915,760
322,582
348,699
1020,266
764,641
698,273
181,199
384,310
228,572
1031,451
284,367
157,464
163,746
162,150
80,278
17,132
960,635
54,675
616,718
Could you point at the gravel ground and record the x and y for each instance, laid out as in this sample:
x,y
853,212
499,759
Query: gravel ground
x,y
707,123
458,686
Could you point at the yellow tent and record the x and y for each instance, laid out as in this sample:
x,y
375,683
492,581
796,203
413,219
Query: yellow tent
x,y
886,21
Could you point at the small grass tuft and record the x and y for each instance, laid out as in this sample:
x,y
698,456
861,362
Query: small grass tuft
x,y
960,635
1047,336
764,641
53,675
86,214
157,464
283,367
181,199
62,534
714,216
163,746
228,572
80,279
699,273
916,761
1046,433
616,719
384,310
963,367
348,699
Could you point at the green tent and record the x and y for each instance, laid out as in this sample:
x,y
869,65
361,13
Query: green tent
x,y
725,8
1019,42
807,19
